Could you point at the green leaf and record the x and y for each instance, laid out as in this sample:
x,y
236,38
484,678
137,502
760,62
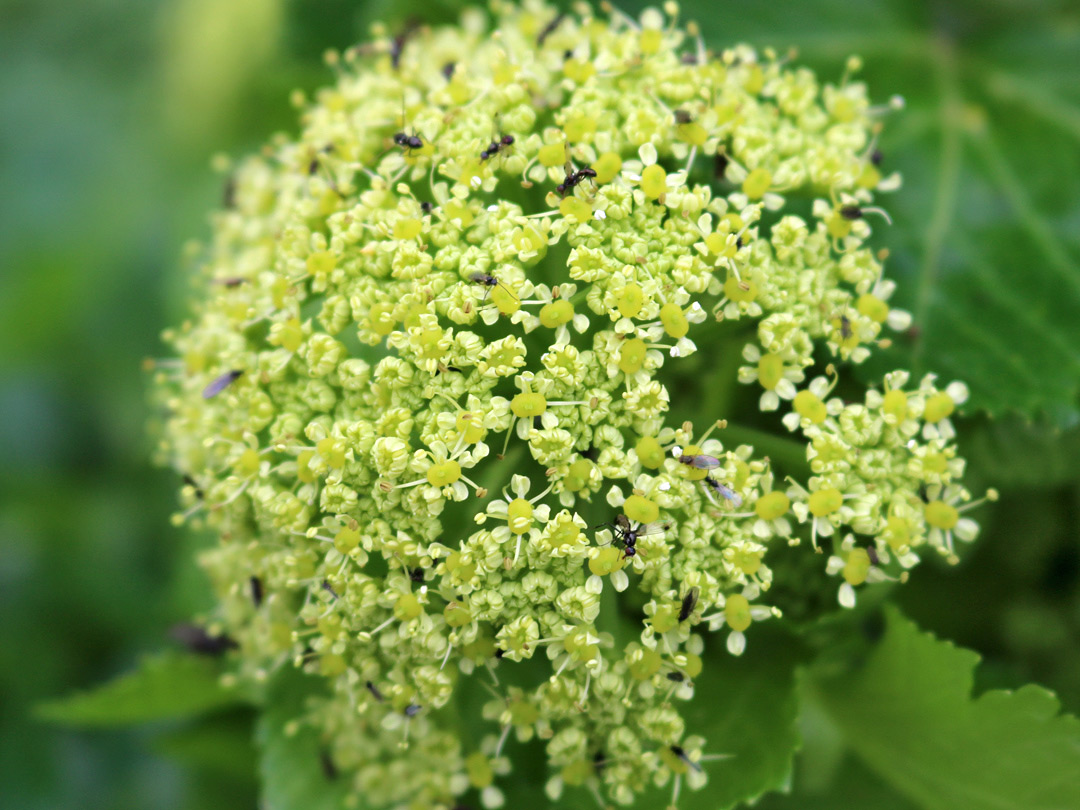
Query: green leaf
x,y
907,712
1015,452
747,708
291,756
163,686
220,743
985,244
853,785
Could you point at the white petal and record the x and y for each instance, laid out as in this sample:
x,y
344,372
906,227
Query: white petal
x,y
554,787
519,485
492,798
846,596
620,580
898,319
890,183
736,643
958,392
647,153
785,389
967,529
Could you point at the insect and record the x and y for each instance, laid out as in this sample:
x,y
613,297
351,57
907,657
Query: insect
x,y
871,552
228,193
550,28
723,490
678,751
683,117
397,47
626,537
191,482
231,283
700,461
676,677
219,384
720,165
375,693
448,70
599,761
412,710
491,283
845,327
408,142
496,146
426,206
851,212
689,602
199,641
417,574
329,589
573,179
876,157
329,769
256,591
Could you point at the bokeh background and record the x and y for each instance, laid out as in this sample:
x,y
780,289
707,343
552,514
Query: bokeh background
x,y
109,113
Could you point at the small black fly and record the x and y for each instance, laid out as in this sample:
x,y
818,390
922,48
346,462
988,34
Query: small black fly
x,y
191,482
408,142
700,461
198,641
689,602
497,146
256,591
724,491
681,754
219,384
549,29
573,179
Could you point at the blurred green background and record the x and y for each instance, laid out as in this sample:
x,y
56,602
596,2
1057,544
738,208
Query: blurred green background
x,y
109,113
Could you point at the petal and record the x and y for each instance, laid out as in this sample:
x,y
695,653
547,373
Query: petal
x,y
898,319
736,643
620,580
519,485
846,595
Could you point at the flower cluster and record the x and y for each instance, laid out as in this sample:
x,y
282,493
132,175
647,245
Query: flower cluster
x,y
423,396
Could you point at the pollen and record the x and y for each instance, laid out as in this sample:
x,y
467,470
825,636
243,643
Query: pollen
x,y
737,612
825,502
445,474
757,183
772,505
654,181
641,509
